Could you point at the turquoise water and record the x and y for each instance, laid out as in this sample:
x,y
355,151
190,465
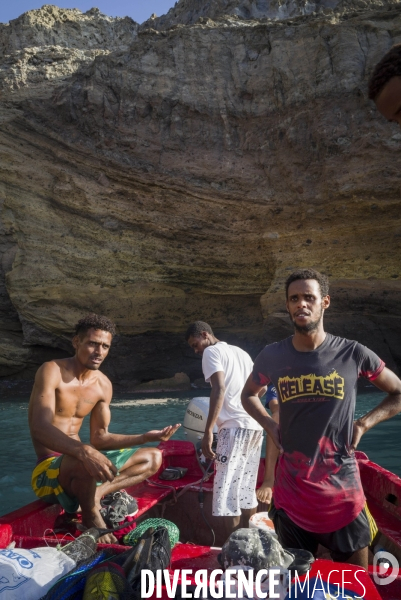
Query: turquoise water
x,y
130,416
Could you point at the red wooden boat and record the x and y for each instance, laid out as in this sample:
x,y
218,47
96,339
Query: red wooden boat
x,y
35,525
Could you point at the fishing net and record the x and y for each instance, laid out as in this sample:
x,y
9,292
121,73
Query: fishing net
x,y
106,576
152,552
134,536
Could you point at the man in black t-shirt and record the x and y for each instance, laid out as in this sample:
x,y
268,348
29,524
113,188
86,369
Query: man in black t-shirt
x,y
318,495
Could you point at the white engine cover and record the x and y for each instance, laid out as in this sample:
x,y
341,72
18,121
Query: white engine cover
x,y
195,419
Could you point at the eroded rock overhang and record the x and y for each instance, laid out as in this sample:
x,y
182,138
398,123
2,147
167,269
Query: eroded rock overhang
x,y
165,176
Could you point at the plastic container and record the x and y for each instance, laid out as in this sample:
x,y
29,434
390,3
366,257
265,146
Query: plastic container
x,y
261,521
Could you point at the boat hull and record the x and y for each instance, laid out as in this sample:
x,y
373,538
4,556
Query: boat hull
x,y
38,524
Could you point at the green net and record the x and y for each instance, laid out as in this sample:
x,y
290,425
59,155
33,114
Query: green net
x,y
133,536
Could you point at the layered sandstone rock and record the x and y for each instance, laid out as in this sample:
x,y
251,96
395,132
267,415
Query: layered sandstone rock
x,y
181,170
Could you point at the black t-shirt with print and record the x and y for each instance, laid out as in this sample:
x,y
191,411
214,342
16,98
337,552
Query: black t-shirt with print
x,y
316,390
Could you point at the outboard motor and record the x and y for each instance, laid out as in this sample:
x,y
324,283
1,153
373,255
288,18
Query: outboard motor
x,y
195,424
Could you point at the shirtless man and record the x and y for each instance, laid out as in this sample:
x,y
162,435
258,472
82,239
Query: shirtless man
x,y
65,391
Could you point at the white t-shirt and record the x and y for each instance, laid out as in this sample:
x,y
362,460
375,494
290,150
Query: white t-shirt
x,y
236,365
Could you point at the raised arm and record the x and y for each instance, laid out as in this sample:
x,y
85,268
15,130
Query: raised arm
x,y
102,439
388,382
45,435
216,403
253,406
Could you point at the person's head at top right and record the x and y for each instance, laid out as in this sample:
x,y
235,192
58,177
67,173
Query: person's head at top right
x,y
385,85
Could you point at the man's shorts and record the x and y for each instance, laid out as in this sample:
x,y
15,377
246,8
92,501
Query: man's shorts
x,y
237,465
341,543
45,477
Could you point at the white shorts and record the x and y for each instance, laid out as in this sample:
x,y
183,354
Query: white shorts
x,y
237,464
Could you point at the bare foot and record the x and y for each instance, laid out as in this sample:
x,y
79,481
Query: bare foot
x,y
95,520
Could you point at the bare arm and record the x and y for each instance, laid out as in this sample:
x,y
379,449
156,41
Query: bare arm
x,y
264,493
216,403
253,406
42,416
388,382
102,439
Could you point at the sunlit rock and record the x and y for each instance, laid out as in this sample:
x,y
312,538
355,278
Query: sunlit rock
x,y
180,170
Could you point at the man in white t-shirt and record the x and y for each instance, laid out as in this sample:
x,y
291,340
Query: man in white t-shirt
x,y
240,437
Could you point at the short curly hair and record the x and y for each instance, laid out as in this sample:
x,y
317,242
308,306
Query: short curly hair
x,y
93,321
322,280
386,69
195,330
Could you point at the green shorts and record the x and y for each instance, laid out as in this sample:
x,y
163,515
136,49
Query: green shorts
x,y
45,477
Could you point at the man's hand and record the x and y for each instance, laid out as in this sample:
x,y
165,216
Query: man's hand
x,y
265,492
163,435
358,432
207,442
388,382
97,464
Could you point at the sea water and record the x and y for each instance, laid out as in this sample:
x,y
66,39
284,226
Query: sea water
x,y
134,414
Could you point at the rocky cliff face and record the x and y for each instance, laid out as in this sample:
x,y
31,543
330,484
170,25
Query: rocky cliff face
x,y
180,170
188,12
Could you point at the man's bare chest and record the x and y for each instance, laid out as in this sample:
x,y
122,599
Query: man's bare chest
x,y
76,400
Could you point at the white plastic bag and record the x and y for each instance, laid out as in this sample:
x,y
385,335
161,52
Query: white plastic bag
x,y
29,574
